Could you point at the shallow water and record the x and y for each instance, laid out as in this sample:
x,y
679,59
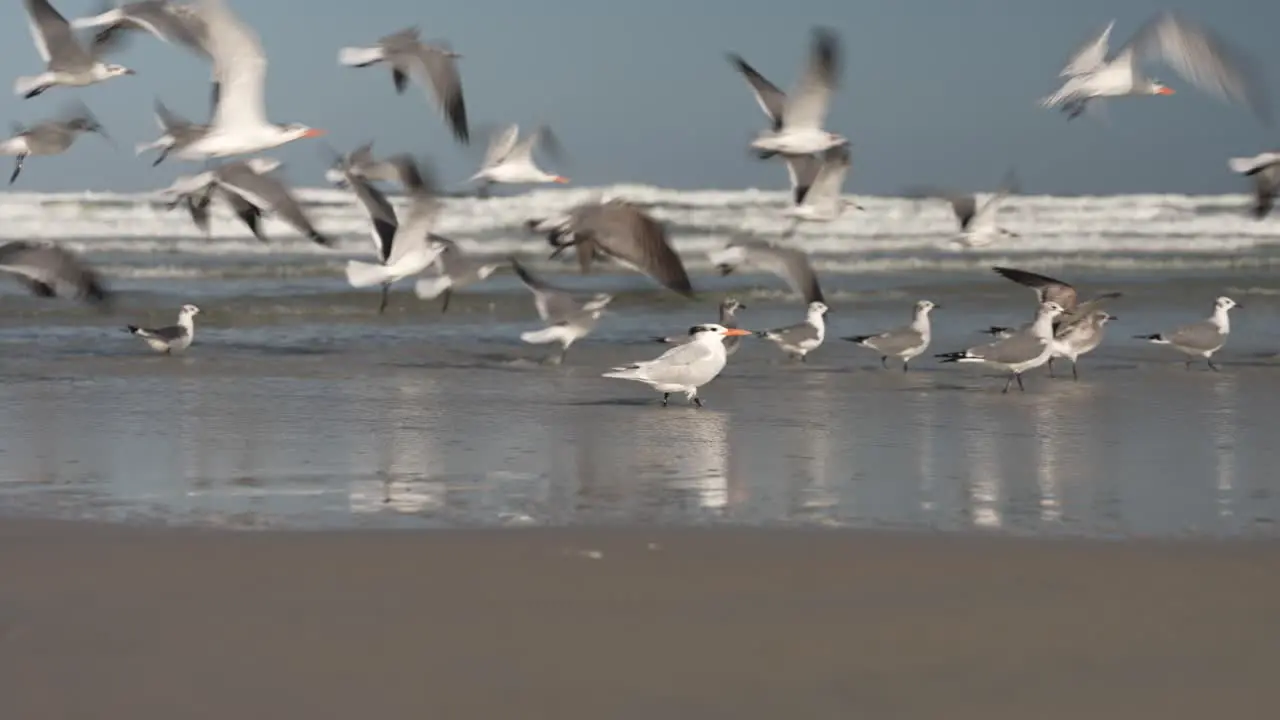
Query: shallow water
x,y
299,406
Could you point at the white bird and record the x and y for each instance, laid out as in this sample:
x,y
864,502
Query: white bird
x,y
800,340
978,225
1192,50
686,367
49,271
1079,337
1264,170
412,248
240,124
50,137
817,186
1018,353
454,270
1201,339
67,62
409,57
729,308
568,319
382,220
798,118
173,338
904,343
510,160
790,264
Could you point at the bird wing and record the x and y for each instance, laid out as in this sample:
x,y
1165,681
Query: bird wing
x,y
240,67
627,233
896,341
46,267
965,207
1090,55
1266,184
266,193
1203,335
441,71
382,216
834,167
500,145
1047,288
553,304
807,106
169,120
53,38
802,169
772,100
675,361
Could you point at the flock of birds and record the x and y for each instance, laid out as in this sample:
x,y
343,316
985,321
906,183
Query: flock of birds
x,y
608,229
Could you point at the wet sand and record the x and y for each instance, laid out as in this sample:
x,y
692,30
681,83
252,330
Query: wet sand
x,y
108,621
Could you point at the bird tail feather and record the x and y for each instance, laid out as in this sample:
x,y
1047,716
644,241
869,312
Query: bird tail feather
x,y
1157,338
859,339
430,288
362,274
957,357
359,56
27,84
541,337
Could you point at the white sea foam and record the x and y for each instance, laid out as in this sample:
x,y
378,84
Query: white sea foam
x,y
893,234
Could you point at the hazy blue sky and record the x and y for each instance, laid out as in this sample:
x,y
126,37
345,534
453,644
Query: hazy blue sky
x,y
934,91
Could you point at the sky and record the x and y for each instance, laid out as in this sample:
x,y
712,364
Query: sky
x,y
933,92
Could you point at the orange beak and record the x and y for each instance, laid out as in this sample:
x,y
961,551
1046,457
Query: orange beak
x,y
1165,91
737,331
312,132
560,179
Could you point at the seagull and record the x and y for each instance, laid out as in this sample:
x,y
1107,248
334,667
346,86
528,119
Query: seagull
x,y
1018,353
978,222
240,124
196,192
905,342
686,367
174,23
798,118
410,57
1078,338
171,339
49,271
412,248
728,309
568,319
800,340
622,231
790,264
454,270
816,185
510,160
1192,50
50,137
67,62
1046,289
176,132
1201,339
382,221
251,183
1265,171
361,163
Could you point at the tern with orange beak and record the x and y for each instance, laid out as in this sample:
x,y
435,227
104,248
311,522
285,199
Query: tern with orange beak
x,y
684,368
509,160
240,124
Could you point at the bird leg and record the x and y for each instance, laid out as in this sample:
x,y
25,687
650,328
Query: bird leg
x,y
1211,365
1051,368
1007,383
1075,371
382,307
17,166
697,401
1189,364
664,398
904,365
448,293
1018,376
884,362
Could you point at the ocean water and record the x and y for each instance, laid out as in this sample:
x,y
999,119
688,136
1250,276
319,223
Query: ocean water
x,y
299,405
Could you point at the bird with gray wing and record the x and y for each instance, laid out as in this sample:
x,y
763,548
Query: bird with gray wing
x,y
171,338
50,137
567,318
382,220
816,186
176,132
1018,353
413,247
790,264
67,62
51,271
619,230
1264,171
174,23
797,341
1079,337
729,308
408,58
1046,289
509,160
454,270
1201,339
362,163
906,342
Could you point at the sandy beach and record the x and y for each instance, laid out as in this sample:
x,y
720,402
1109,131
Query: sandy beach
x,y
99,621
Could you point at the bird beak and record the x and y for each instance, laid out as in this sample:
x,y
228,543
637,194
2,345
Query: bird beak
x,y
1238,305
737,331
313,133
1112,318
936,307
560,179
1165,91
130,71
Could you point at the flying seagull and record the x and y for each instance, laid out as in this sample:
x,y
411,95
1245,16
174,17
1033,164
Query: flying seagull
x,y
1264,170
790,264
568,319
455,269
50,271
50,137
510,160
817,186
67,62
176,132
412,248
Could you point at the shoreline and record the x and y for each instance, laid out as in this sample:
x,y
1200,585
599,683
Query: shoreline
x,y
102,620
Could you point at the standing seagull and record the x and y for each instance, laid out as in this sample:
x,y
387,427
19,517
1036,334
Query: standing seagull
x,y
1193,51
412,248
816,186
1201,339
409,57
790,264
686,367
175,132
173,338
1265,171
49,271
1018,353
568,320
454,270
729,308
904,342
800,340
510,160
798,118
67,62
622,231
1078,338
240,124
50,137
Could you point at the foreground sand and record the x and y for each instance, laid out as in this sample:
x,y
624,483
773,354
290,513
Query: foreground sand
x,y
107,622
